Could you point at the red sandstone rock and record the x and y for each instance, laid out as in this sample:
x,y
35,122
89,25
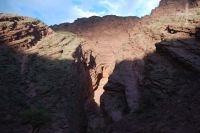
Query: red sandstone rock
x,y
21,32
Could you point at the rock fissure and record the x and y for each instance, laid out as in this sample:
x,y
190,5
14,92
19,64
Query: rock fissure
x,y
112,75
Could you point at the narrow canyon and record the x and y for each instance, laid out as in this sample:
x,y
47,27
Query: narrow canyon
x,y
107,74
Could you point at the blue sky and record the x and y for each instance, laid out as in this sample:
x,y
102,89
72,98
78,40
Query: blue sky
x,y
59,11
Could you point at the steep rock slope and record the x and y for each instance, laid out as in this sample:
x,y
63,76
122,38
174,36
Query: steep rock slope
x,y
21,32
168,92
39,80
113,79
118,52
108,41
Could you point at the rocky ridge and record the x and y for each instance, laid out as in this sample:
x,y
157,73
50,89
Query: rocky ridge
x,y
21,32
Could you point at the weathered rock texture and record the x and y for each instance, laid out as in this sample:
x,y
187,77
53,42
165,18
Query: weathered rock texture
x,y
21,32
117,52
113,74
40,89
169,91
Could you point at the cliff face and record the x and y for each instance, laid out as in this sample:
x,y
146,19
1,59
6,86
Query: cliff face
x,y
168,91
167,94
178,2
39,82
107,42
174,7
119,52
102,74
21,32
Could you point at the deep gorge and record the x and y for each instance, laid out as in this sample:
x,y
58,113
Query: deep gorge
x,y
101,74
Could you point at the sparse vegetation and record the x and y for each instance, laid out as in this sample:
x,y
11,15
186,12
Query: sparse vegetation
x,y
37,118
56,74
6,23
178,20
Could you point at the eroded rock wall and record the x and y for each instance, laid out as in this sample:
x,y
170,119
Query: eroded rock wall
x,y
21,32
115,51
40,85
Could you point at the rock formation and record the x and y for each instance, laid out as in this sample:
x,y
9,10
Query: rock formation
x,y
39,81
21,32
120,63
102,74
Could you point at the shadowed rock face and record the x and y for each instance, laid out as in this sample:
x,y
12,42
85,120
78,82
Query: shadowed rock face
x,y
119,47
108,40
111,74
169,95
39,81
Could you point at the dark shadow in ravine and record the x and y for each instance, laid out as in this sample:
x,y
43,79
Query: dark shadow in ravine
x,y
166,91
40,94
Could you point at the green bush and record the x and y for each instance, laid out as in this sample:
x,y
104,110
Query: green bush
x,y
37,118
